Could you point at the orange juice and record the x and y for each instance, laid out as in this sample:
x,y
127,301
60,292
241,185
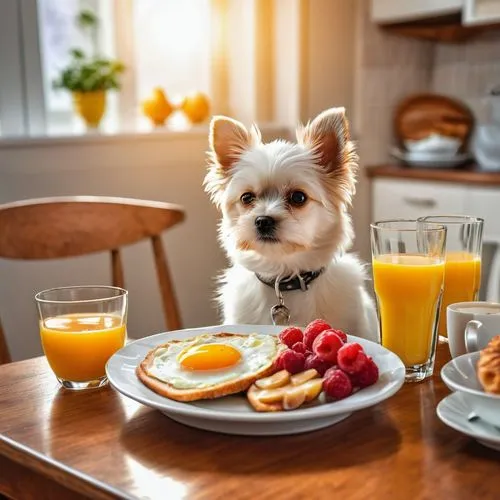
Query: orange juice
x,y
462,279
78,346
408,289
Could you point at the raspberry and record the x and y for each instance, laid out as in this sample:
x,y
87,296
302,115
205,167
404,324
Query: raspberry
x,y
337,385
351,358
291,335
300,347
331,371
341,334
367,376
313,329
292,362
326,345
278,362
320,365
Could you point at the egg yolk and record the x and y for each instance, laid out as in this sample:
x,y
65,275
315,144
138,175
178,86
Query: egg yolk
x,y
209,357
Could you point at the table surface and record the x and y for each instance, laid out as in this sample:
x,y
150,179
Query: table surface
x,y
103,445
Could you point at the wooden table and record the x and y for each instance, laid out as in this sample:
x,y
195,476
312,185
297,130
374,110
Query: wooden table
x,y
60,444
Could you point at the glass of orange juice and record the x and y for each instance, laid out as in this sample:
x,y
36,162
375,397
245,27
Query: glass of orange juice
x,y
462,269
408,274
81,327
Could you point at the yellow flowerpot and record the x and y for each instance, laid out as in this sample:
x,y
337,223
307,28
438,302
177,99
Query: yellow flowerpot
x,y
90,106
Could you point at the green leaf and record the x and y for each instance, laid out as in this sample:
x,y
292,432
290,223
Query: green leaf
x,y
87,19
77,54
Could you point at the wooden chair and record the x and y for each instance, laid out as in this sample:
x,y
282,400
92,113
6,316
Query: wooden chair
x,y
53,228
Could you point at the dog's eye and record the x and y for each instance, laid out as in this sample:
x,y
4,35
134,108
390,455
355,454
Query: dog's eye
x,y
297,198
247,198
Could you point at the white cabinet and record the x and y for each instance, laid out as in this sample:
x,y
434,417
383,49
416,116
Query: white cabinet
x,y
408,199
394,11
485,202
395,199
476,12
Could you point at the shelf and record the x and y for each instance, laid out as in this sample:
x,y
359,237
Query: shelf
x,y
448,29
468,174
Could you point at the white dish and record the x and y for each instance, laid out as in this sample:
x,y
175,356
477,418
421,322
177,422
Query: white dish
x,y
434,143
454,410
460,375
429,160
233,414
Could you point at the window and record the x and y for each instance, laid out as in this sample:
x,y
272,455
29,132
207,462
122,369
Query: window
x,y
172,46
58,33
163,43
182,46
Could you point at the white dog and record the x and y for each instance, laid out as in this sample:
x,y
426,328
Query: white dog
x,y
284,219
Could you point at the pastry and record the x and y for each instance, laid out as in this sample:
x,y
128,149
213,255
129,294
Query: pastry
x,y
488,368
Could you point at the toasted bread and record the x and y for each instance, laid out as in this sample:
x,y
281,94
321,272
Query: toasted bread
x,y
215,391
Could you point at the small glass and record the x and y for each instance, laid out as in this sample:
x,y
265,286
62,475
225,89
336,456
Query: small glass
x,y
81,327
462,270
408,274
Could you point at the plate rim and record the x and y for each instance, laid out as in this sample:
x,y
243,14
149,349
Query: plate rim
x,y
455,386
256,417
461,428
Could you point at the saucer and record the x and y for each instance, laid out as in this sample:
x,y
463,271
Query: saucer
x,y
233,414
460,375
453,411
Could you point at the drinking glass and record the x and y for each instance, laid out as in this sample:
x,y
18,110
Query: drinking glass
x,y
462,268
408,273
81,327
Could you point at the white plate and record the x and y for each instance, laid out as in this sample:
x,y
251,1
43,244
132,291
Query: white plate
x,y
460,374
453,410
432,161
233,414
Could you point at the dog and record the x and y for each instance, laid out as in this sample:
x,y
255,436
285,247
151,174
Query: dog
x,y
285,225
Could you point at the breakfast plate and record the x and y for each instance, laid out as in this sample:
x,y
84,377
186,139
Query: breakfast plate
x,y
233,414
453,410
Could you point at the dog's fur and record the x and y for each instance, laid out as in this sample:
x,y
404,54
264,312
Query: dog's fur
x,y
305,238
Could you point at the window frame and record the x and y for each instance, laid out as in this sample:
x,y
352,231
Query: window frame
x,y
13,121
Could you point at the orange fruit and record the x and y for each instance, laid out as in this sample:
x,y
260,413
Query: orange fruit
x,y
196,107
157,108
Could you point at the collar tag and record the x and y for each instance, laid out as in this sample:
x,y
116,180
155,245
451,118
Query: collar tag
x,y
280,314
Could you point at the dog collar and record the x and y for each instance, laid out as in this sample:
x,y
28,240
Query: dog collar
x,y
299,281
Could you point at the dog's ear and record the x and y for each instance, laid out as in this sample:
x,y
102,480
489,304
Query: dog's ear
x,y
328,136
228,140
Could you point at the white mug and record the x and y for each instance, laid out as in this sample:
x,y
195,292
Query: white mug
x,y
471,325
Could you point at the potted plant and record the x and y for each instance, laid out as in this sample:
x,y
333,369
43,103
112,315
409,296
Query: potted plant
x,y
88,78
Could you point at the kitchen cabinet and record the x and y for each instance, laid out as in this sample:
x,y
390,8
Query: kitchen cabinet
x,y
477,12
395,11
410,199
438,20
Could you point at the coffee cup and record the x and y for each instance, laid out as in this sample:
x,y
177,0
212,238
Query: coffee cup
x,y
471,325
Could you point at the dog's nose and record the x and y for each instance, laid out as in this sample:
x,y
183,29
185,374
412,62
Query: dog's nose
x,y
265,224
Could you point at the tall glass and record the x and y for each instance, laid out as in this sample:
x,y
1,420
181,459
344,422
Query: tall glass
x,y
408,273
81,327
462,270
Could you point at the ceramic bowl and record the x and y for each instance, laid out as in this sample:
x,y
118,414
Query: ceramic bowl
x,y
460,375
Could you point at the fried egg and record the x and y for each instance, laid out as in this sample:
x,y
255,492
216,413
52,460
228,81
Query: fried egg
x,y
210,359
